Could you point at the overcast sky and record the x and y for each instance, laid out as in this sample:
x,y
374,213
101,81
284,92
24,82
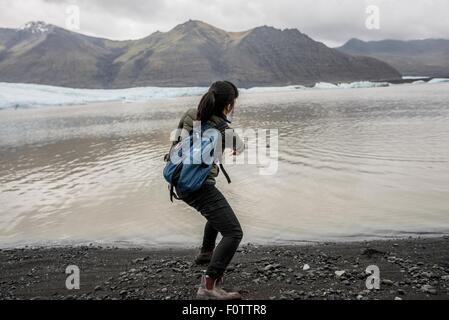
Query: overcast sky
x,y
330,21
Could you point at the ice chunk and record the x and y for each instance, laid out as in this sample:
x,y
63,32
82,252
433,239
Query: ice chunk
x,y
363,84
352,85
414,77
271,89
439,80
325,85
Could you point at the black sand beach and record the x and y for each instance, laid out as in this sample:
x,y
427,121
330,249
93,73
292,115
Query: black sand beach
x,y
409,269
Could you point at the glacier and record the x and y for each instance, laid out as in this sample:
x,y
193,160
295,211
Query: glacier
x,y
14,95
19,95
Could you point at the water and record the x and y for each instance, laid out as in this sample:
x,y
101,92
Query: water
x,y
353,164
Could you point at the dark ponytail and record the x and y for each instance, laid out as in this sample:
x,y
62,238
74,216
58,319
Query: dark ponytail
x,y
214,102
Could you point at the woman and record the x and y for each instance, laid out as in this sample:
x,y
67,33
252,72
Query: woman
x,y
217,108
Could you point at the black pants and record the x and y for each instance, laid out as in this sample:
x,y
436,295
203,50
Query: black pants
x,y
211,203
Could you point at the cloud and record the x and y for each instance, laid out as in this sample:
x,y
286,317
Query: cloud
x,y
330,21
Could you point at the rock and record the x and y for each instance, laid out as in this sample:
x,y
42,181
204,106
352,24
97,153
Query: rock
x,y
138,260
387,282
397,298
291,292
339,273
428,289
98,288
163,290
306,267
269,267
427,274
401,292
369,252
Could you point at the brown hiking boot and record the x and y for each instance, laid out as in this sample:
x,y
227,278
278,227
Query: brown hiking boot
x,y
211,290
204,258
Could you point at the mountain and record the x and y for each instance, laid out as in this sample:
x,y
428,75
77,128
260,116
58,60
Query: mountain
x,y
428,57
46,54
191,54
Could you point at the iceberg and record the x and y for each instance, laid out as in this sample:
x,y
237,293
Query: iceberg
x,y
325,85
414,77
363,84
272,89
439,80
352,85
18,95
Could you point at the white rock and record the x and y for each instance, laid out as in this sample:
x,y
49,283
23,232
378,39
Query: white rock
x,y
306,267
340,273
428,289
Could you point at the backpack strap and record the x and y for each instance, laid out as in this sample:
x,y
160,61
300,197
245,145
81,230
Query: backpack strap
x,y
174,182
222,126
225,173
172,193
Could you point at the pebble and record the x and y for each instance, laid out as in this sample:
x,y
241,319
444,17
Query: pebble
x,y
428,289
269,267
339,273
387,282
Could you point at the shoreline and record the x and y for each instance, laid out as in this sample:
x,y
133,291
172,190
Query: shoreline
x,y
139,245
416,268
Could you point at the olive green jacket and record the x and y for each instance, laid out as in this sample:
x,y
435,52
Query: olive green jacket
x,y
230,139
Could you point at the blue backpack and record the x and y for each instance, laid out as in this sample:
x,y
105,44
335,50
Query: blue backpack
x,y
191,159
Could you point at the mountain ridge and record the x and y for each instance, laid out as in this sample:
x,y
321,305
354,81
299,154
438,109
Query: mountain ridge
x,y
423,57
193,53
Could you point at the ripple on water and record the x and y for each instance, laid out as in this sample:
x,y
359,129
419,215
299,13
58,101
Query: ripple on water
x,y
347,168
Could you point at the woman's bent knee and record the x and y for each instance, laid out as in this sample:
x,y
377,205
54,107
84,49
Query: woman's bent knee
x,y
238,235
